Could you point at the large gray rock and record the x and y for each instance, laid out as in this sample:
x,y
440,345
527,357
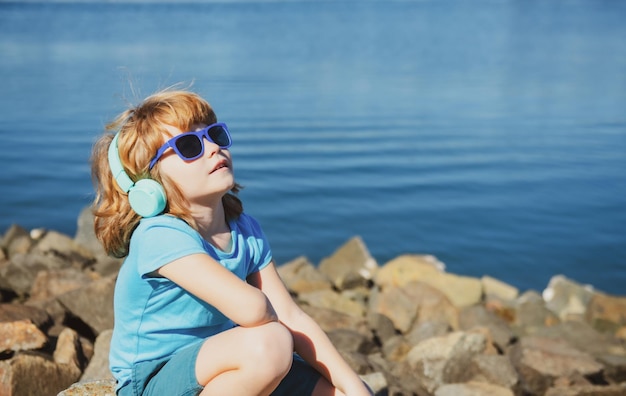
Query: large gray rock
x,y
540,361
98,368
93,304
444,360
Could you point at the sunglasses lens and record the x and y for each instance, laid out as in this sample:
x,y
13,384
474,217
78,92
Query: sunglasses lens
x,y
189,146
219,135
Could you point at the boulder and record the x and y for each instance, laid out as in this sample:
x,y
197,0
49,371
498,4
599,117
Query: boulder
x,y
93,304
540,361
444,360
473,389
28,374
300,276
349,266
566,298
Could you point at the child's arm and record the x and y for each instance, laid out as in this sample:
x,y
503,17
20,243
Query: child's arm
x,y
205,278
310,341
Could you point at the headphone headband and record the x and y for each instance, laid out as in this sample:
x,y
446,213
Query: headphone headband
x,y
120,176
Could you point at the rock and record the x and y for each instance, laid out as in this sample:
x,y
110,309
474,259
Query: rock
x,y
540,361
93,304
605,312
15,312
381,326
425,330
408,268
91,388
20,335
350,266
566,298
443,360
98,367
351,341
473,389
57,245
376,382
330,299
27,375
588,390
460,290
69,350
614,368
531,313
86,237
396,348
16,240
23,268
493,287
330,320
585,338
49,284
300,276
493,369
396,305
433,306
478,316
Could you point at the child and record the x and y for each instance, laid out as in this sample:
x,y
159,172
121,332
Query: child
x,y
199,306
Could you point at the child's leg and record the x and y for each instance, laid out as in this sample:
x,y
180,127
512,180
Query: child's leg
x,y
245,361
325,388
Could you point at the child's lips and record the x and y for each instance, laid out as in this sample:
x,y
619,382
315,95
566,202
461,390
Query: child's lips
x,y
220,165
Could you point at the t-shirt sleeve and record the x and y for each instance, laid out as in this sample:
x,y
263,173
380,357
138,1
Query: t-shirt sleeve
x,y
259,244
160,243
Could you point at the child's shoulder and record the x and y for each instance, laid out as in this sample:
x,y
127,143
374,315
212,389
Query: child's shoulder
x,y
147,224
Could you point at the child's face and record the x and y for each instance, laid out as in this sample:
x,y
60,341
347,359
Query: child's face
x,y
204,180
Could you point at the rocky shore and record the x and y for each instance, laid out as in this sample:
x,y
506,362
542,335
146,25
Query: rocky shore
x,y
406,326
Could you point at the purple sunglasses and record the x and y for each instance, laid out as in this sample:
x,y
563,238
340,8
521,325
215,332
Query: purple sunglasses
x,y
190,145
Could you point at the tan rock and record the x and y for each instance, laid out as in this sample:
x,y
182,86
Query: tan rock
x,y
540,360
461,290
588,390
300,276
444,360
433,305
330,299
493,287
91,388
473,389
68,349
350,266
20,335
25,375
493,369
396,305
408,268
606,312
531,313
329,320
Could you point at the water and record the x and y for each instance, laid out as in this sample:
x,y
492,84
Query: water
x,y
491,134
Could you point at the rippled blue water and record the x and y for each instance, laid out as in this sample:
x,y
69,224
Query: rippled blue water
x,y
491,134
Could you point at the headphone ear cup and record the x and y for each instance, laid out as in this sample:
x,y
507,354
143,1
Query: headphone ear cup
x,y
147,198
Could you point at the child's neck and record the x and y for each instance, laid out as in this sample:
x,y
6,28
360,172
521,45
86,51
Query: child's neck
x,y
213,226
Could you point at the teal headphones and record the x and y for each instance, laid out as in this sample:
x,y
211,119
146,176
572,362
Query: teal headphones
x,y
147,196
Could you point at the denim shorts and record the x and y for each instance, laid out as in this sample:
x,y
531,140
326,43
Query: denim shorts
x,y
176,376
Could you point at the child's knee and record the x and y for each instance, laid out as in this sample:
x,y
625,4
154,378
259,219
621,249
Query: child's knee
x,y
272,344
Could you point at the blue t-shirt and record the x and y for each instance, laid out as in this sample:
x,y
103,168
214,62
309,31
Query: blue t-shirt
x,y
154,317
